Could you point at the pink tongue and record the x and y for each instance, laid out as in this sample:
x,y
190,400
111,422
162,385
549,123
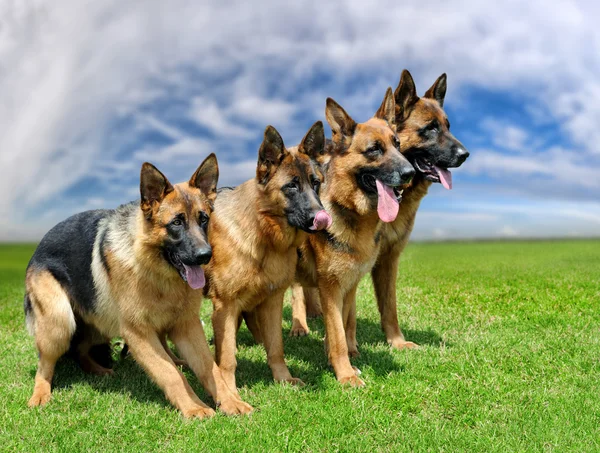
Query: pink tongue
x,y
194,276
322,220
387,204
445,177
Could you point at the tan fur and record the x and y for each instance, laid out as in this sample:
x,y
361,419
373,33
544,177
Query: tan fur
x,y
143,299
254,262
410,118
53,328
395,235
335,264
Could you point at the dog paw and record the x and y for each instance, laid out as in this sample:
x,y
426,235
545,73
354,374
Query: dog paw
x,y
292,381
353,352
39,399
314,312
181,363
357,372
352,381
403,344
199,412
299,331
103,372
235,407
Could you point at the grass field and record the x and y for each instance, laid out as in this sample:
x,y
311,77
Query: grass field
x,y
510,361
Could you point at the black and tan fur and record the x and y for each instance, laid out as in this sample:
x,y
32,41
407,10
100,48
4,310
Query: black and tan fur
x,y
255,231
425,138
335,260
121,272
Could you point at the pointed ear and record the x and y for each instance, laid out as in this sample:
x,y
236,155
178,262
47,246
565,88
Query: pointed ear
x,y
154,187
271,153
387,109
405,96
438,90
313,143
342,125
206,177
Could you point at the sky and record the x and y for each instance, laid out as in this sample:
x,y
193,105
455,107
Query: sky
x,y
91,90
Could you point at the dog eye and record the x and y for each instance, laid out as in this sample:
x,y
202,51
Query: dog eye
x,y
203,218
433,127
292,186
316,185
177,222
396,142
375,149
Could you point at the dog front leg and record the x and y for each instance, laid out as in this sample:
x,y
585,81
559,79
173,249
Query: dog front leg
x,y
224,321
270,314
149,352
191,343
384,276
337,349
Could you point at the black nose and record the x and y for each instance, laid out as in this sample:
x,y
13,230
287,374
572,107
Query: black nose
x,y
461,155
406,174
203,255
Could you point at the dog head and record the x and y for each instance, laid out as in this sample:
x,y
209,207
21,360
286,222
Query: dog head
x,y
424,131
290,179
366,161
176,217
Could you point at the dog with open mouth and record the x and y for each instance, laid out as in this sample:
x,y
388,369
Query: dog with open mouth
x,y
135,272
364,176
255,231
426,141
424,131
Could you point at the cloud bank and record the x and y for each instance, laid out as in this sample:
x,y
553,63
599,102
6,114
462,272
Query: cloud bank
x,y
88,91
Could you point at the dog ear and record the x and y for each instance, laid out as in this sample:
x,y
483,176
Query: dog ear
x,y
270,155
405,96
206,177
437,90
313,143
387,109
154,187
342,125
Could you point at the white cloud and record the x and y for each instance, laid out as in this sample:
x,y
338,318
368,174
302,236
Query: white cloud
x,y
508,231
71,70
502,217
560,166
207,113
507,136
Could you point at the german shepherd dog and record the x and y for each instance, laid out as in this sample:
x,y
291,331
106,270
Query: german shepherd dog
x,y
426,141
254,232
362,180
133,272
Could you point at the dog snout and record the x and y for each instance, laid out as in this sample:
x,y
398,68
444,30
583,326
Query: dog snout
x,y
461,154
203,255
407,172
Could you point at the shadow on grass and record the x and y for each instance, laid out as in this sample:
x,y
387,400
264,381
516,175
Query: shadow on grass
x,y
309,351
370,332
129,378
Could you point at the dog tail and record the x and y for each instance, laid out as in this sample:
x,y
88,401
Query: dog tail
x,y
29,315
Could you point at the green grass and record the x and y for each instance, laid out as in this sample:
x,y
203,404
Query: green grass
x,y
510,361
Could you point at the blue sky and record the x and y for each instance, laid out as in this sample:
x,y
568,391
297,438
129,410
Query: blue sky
x,y
90,91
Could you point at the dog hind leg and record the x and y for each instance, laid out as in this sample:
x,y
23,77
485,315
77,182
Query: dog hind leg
x,y
53,327
299,324
92,350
